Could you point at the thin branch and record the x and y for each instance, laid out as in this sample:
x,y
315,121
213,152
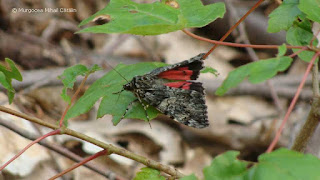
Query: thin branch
x,y
293,103
111,149
60,150
235,26
312,122
29,118
296,53
242,45
73,99
244,37
101,153
55,132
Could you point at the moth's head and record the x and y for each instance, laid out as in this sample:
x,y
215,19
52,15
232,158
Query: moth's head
x,y
130,85
127,86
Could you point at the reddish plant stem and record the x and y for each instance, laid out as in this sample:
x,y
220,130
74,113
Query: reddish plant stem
x,y
100,153
296,53
73,99
314,38
292,104
59,149
55,132
309,127
242,45
233,27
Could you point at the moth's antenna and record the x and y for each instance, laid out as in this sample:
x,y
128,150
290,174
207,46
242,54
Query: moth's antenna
x,y
116,71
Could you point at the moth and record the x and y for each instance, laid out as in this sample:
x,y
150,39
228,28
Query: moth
x,y
170,89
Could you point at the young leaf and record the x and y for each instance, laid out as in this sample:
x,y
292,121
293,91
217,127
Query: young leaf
x,y
7,85
149,173
6,77
256,72
311,8
301,35
226,167
283,17
93,69
282,50
210,70
126,16
112,103
13,73
70,75
285,164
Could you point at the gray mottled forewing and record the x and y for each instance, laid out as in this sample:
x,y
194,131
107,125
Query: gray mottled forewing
x,y
185,106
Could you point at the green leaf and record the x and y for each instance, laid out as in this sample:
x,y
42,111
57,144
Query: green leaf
x,y
285,164
311,8
282,50
149,173
93,69
13,73
301,35
155,18
256,72
209,70
6,77
4,82
69,77
226,167
190,177
112,103
283,17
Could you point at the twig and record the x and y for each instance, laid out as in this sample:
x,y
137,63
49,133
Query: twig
x,y
54,160
233,27
101,153
253,55
111,149
55,132
242,45
292,104
29,118
73,99
312,122
59,149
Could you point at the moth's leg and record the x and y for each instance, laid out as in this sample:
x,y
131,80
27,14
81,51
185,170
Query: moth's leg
x,y
125,113
118,92
145,107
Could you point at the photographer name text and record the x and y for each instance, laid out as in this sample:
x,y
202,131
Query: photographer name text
x,y
43,10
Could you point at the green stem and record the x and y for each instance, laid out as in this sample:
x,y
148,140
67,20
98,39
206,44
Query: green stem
x,y
111,149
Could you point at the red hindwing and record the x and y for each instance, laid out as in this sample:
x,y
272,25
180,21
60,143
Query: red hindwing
x,y
180,84
181,73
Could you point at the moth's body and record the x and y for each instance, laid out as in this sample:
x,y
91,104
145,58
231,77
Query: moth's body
x,y
182,100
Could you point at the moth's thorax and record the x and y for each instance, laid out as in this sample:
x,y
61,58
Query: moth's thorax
x,y
140,82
